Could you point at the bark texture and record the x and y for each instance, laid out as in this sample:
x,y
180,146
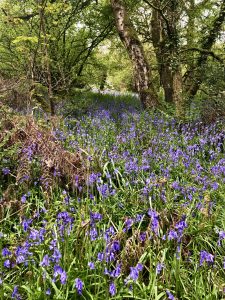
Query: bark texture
x,y
159,43
194,76
165,37
142,70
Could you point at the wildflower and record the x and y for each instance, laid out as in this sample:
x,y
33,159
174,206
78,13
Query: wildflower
x,y
116,273
20,259
221,237
57,271
79,285
7,263
91,265
26,224
159,268
112,289
214,185
128,224
45,261
181,225
115,246
24,198
95,216
134,272
172,235
15,293
48,292
100,256
56,255
93,233
170,295
142,236
139,267
154,220
5,171
206,257
6,252
63,277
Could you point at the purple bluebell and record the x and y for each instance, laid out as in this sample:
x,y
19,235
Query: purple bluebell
x,y
7,264
5,171
45,261
221,237
159,268
6,252
154,220
91,265
170,295
79,285
100,256
93,233
24,198
172,235
112,289
206,257
15,293
48,292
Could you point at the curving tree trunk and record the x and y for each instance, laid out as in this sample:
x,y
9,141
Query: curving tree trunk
x,y
142,70
194,76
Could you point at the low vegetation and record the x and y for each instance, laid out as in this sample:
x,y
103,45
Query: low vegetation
x,y
140,217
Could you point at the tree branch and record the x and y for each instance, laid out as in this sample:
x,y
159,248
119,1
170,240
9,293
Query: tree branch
x,y
207,52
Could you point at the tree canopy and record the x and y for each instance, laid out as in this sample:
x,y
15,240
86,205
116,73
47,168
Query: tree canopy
x,y
170,52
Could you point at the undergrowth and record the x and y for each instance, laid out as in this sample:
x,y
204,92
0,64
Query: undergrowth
x,y
141,216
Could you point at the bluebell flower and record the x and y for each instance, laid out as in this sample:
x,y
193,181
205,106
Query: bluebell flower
x,y
133,273
63,277
206,257
5,171
79,285
48,292
20,259
26,224
95,216
56,255
142,236
100,256
24,198
15,293
170,295
6,252
57,270
93,233
115,246
45,261
91,265
154,220
172,235
7,264
221,237
159,268
116,273
112,289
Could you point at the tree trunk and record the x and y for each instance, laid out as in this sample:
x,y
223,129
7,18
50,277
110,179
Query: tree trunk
x,y
165,36
142,70
46,61
194,76
161,51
